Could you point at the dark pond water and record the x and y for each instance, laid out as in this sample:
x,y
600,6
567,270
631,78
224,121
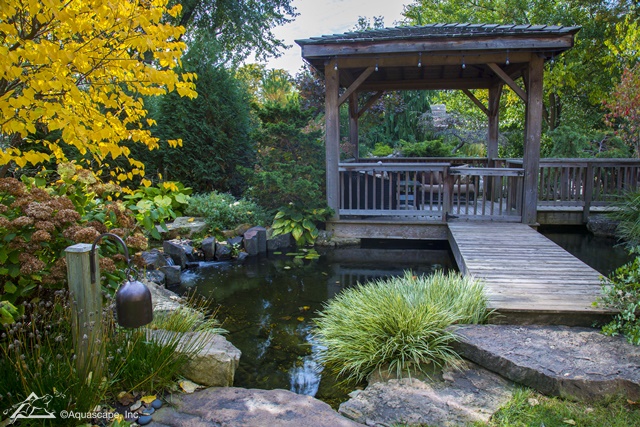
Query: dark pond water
x,y
267,305
602,254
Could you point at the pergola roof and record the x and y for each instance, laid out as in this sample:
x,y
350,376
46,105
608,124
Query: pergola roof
x,y
437,56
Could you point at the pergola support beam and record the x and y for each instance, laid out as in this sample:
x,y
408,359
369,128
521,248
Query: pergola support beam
x,y
533,131
508,80
493,132
476,101
372,100
332,137
353,124
355,85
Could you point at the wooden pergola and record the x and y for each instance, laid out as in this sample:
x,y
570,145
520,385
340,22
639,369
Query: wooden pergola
x,y
438,57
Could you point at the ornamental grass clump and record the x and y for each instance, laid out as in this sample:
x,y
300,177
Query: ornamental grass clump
x,y
402,324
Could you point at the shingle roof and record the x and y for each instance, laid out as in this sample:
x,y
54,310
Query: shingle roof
x,y
434,31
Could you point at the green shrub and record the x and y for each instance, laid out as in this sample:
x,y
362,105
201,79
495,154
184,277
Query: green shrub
x,y
435,148
622,292
222,211
402,323
290,161
381,150
155,205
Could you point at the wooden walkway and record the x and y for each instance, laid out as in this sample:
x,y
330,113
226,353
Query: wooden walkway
x,y
528,278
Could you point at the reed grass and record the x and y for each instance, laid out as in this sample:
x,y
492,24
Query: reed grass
x,y
401,324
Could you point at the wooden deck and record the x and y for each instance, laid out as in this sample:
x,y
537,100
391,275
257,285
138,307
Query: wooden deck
x,y
529,279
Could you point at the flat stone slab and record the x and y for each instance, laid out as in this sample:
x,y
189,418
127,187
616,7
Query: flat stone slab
x,y
571,362
457,399
235,407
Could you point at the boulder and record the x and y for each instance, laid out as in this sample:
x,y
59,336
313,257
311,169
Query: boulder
x,y
163,299
171,274
241,229
156,276
209,248
281,241
216,362
602,226
231,406
223,251
183,226
455,398
153,259
570,362
255,241
180,251
325,238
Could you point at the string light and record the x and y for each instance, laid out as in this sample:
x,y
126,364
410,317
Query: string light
x,y
376,67
335,67
507,61
463,64
420,60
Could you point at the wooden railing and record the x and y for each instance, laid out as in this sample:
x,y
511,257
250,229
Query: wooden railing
x,y
430,191
452,161
434,189
392,189
584,183
486,193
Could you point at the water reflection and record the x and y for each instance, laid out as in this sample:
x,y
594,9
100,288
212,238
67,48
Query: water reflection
x,y
600,253
267,305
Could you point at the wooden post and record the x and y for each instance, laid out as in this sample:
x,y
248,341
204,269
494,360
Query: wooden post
x,y
86,311
495,92
533,130
588,191
332,138
353,124
447,196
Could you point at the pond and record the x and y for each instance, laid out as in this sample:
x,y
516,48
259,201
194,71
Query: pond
x,y
267,304
600,253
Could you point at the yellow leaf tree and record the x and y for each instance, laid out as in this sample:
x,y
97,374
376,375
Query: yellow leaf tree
x,y
79,69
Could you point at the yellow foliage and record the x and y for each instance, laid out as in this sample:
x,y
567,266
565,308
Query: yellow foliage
x,y
81,67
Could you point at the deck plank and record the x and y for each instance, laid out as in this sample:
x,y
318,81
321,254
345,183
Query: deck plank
x,y
526,273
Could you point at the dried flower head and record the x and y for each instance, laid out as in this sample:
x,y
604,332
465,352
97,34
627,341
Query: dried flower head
x,y
29,264
98,226
38,210
45,225
66,216
40,236
86,235
86,177
22,221
39,194
12,186
137,242
107,264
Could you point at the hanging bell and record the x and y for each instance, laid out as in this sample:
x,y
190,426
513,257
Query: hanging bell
x,y
133,304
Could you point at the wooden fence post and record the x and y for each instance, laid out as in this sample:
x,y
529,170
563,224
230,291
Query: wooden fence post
x,y
86,312
588,192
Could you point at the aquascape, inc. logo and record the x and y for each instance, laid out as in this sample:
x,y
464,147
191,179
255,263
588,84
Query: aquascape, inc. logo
x,y
33,407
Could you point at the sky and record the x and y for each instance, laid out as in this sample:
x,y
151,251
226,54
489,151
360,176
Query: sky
x,y
322,17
